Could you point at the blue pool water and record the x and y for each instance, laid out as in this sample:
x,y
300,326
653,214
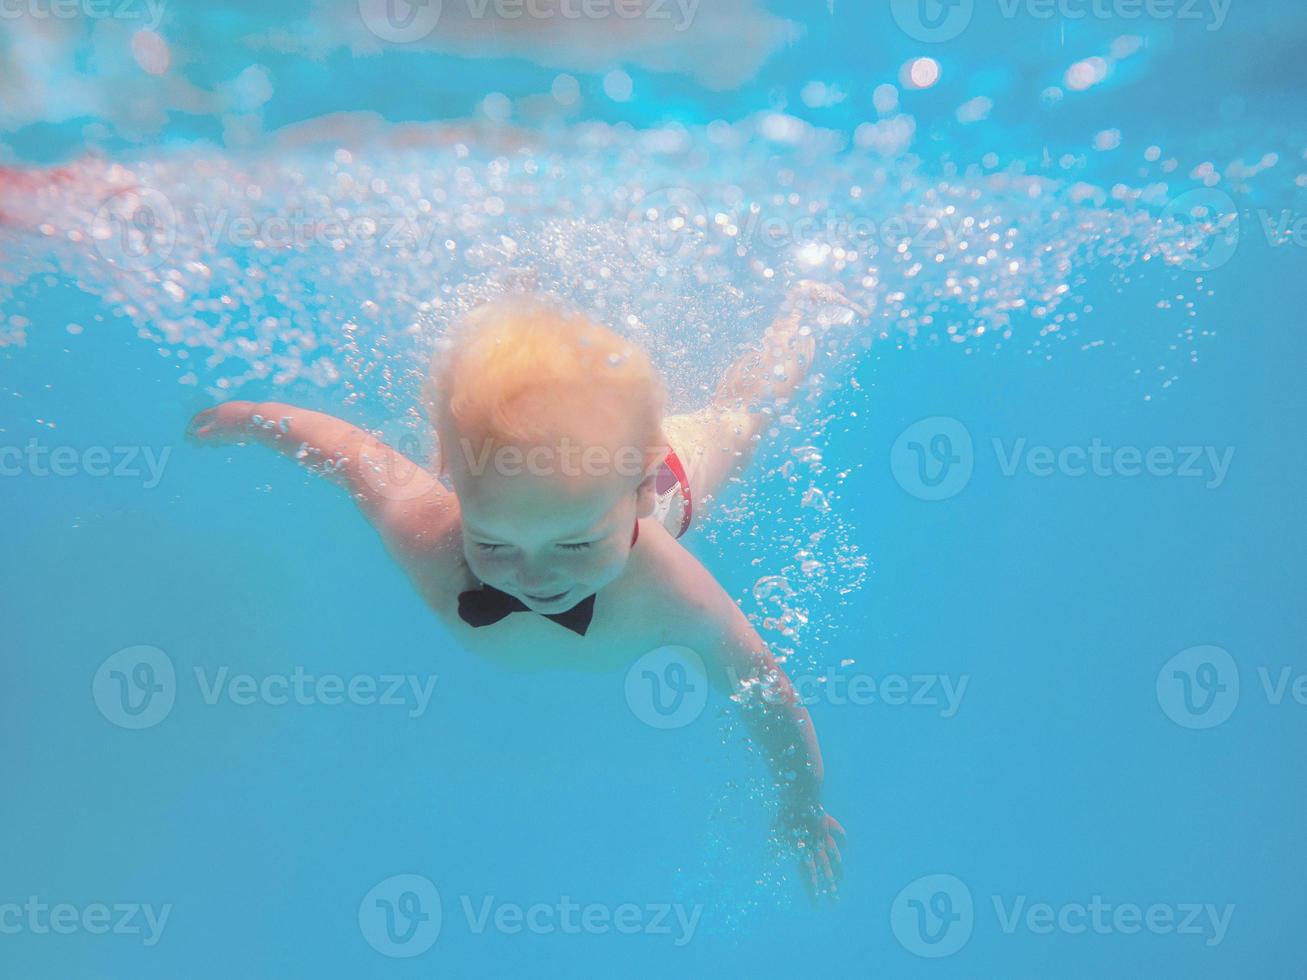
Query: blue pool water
x,y
1036,527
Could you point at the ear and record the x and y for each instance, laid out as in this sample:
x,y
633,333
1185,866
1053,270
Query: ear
x,y
439,451
644,497
645,492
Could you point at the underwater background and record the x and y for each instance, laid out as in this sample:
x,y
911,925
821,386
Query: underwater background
x,y
1032,541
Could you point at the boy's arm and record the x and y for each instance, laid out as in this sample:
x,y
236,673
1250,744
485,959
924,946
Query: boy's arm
x,y
380,479
778,366
740,664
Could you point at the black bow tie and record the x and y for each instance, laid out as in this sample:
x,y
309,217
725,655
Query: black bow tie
x,y
487,605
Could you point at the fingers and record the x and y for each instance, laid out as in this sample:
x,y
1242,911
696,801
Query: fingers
x,y
821,862
829,875
220,420
808,871
820,875
830,293
834,849
201,426
836,836
833,826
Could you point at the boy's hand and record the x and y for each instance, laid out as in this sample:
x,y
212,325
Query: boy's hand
x,y
829,298
222,423
816,837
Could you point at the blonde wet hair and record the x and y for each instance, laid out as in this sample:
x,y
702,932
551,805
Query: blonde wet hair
x,y
518,369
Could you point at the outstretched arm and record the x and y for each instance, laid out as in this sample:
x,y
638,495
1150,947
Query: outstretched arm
x,y
776,369
376,476
781,727
718,441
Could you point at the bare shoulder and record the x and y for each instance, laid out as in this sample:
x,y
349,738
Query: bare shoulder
x,y
686,601
424,535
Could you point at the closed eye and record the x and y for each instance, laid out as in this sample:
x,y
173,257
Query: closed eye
x,y
576,547
485,546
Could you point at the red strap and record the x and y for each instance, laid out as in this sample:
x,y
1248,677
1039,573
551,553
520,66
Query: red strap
x,y
673,463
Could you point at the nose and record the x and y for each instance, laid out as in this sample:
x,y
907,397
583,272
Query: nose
x,y
537,577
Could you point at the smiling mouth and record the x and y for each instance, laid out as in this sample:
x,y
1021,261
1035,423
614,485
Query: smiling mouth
x,y
544,600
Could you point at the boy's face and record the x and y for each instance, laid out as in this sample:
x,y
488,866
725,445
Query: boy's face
x,y
548,528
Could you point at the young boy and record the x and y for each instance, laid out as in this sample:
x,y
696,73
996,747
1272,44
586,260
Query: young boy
x,y
569,489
